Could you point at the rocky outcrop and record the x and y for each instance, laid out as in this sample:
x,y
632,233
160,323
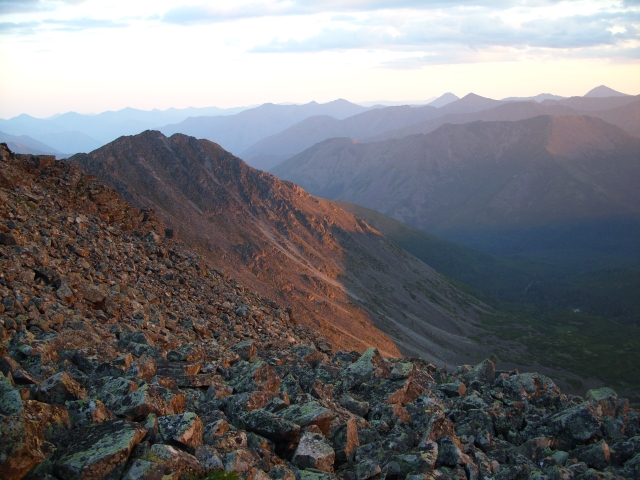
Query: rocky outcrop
x,y
179,371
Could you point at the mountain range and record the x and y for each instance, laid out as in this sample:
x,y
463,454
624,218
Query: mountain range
x,y
238,132
487,184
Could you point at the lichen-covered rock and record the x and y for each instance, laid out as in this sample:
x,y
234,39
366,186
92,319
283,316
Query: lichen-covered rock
x,y
87,412
241,461
144,470
139,404
258,376
175,459
308,414
455,389
370,365
60,388
604,398
271,426
596,455
20,439
208,458
579,423
214,430
345,440
354,406
484,373
97,452
314,451
246,350
185,429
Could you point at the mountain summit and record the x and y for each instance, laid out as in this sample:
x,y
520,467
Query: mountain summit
x,y
603,91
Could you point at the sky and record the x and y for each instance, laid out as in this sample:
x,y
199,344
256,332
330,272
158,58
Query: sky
x,y
91,56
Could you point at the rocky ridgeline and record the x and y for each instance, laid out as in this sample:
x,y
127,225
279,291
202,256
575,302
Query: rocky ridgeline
x,y
125,356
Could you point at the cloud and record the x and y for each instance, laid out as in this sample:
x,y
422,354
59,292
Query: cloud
x,y
79,24
27,6
72,25
474,37
25,28
203,14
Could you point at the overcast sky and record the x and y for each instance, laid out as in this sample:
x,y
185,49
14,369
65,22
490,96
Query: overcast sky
x,y
96,55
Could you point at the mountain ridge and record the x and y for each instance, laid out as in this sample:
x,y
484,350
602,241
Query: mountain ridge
x,y
369,186
281,241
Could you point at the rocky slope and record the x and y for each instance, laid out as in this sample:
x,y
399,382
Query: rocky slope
x,y
337,273
482,175
126,356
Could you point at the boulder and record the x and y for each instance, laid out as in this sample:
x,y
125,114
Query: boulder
x,y
595,455
369,366
345,441
208,458
308,414
20,440
175,459
60,388
138,404
246,350
484,373
241,461
313,451
604,398
88,412
258,376
579,423
354,406
271,426
97,452
145,470
184,429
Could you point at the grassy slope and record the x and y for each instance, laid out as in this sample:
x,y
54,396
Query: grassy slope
x,y
538,299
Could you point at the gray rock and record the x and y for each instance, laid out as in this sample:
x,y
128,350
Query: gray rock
x,y
449,454
369,366
60,388
144,470
595,456
314,451
97,452
354,406
208,458
241,461
87,412
184,429
271,426
246,350
579,423
308,414
175,459
604,398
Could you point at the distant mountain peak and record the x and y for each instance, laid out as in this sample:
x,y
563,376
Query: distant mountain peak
x,y
604,91
444,99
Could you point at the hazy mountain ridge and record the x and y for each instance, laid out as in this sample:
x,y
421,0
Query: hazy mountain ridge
x,y
28,145
73,132
481,173
238,132
314,129
623,116
340,275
